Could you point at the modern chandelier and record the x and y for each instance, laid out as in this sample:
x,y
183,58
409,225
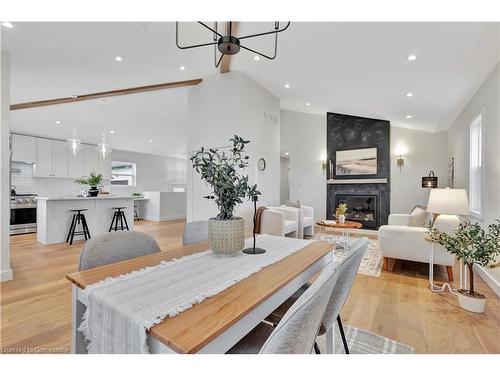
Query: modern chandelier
x,y
229,44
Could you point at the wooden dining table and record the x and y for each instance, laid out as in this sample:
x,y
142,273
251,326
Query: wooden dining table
x,y
219,322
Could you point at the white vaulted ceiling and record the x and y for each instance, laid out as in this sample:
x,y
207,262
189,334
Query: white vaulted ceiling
x,y
354,68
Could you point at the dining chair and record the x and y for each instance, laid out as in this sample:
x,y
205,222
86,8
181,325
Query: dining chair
x,y
347,270
114,247
297,331
194,232
105,249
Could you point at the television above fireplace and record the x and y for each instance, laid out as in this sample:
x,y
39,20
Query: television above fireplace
x,y
360,208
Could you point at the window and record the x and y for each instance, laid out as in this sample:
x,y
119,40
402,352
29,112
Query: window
x,y
475,165
122,173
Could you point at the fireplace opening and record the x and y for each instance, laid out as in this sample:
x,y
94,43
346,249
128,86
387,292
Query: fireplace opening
x,y
360,208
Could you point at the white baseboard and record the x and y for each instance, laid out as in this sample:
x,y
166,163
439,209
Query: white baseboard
x,y
488,279
6,275
164,218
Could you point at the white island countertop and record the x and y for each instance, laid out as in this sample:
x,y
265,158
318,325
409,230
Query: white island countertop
x,y
99,197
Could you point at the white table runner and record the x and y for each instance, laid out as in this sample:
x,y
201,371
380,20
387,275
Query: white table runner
x,y
120,309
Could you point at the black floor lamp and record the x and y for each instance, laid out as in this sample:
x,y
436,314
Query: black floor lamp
x,y
254,250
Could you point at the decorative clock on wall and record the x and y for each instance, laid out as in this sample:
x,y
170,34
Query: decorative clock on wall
x,y
261,164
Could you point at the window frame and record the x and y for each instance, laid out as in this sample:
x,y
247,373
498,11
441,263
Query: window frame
x,y
476,179
133,174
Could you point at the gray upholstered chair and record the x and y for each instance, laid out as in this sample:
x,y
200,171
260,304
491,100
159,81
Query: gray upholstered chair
x,y
346,272
297,331
105,249
116,246
194,232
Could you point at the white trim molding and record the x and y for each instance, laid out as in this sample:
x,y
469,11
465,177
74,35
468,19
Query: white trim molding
x,y
488,279
357,181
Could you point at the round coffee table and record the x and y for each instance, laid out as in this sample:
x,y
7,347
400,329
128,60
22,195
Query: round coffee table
x,y
346,227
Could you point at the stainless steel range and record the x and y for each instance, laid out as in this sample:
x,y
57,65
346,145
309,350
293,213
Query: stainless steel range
x,y
22,213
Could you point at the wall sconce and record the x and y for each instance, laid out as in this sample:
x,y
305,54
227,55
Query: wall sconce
x,y
323,164
430,182
400,161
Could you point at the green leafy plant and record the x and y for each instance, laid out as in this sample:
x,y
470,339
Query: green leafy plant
x,y
93,180
473,244
341,210
220,171
136,194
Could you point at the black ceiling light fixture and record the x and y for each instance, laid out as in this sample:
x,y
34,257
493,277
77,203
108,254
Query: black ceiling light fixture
x,y
229,44
430,182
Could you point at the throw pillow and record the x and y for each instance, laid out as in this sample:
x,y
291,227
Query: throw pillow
x,y
418,217
293,204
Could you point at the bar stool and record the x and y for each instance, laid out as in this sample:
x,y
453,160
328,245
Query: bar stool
x,y
119,216
136,215
78,218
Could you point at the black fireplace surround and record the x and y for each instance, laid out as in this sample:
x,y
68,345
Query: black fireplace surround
x,y
368,202
362,208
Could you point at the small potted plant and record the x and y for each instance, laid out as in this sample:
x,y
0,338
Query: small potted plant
x,y
93,181
220,170
340,212
474,245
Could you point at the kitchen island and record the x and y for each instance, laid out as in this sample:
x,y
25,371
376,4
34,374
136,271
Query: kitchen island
x,y
54,216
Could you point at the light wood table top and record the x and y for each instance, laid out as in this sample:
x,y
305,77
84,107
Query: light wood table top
x,y
189,331
347,224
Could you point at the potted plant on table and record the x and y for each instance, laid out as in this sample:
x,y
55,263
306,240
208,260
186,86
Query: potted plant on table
x,y
474,245
220,170
93,181
340,212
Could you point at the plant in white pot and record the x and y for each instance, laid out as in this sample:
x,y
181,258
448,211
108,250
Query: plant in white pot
x,y
474,245
340,212
220,170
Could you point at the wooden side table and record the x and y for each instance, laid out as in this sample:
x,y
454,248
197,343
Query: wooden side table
x,y
346,227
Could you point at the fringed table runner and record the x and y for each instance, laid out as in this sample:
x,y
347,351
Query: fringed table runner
x,y
121,309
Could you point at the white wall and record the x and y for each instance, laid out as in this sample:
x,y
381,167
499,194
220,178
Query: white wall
x,y
224,105
303,135
164,206
5,270
424,152
153,172
486,101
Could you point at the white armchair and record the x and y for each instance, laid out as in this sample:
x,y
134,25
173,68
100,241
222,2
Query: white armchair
x,y
400,241
306,220
280,221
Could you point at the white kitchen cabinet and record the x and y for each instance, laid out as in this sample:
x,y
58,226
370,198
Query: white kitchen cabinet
x,y
76,164
59,159
43,158
23,148
105,166
91,159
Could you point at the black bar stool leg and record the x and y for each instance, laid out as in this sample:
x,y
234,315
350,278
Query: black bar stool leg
x,y
71,228
85,228
116,221
125,219
112,221
74,228
341,329
316,348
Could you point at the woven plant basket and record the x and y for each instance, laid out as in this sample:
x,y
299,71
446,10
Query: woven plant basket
x,y
226,237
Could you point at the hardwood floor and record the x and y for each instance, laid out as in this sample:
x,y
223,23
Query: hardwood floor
x,y
35,313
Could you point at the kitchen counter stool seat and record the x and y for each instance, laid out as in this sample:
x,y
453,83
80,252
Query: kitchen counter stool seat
x,y
78,218
118,220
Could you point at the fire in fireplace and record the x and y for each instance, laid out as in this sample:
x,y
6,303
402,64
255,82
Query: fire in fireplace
x,y
360,208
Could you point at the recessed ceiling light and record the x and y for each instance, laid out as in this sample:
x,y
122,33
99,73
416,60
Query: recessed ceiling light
x,y
409,95
182,67
58,122
409,116
8,25
287,86
111,132
308,104
256,57
412,57
151,140
118,58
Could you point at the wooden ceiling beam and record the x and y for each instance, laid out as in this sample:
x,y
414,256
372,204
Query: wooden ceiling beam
x,y
226,60
106,94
